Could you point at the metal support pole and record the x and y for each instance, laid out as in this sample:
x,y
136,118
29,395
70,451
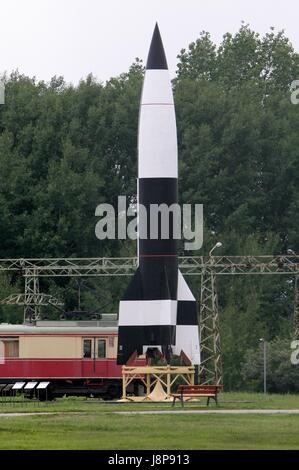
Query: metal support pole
x,y
31,312
262,340
211,365
265,367
124,396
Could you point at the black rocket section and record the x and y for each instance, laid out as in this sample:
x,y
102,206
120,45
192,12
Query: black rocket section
x,y
158,257
134,290
156,57
133,338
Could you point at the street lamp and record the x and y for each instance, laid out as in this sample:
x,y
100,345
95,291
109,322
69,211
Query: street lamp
x,y
218,245
262,340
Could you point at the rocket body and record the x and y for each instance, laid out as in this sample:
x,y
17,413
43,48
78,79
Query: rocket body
x,y
157,308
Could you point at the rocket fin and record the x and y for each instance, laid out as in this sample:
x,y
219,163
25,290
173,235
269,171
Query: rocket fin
x,y
134,290
187,331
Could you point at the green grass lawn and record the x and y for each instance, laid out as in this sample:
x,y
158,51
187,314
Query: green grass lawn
x,y
111,431
97,427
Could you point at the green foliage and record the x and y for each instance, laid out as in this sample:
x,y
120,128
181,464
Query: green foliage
x,y
269,62
9,313
282,375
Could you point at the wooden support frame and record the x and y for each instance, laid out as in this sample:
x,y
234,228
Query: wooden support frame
x,y
150,376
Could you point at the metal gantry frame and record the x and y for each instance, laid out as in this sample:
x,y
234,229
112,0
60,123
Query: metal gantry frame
x,y
207,267
189,265
210,370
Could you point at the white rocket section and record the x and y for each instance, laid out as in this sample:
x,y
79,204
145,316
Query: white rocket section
x,y
147,312
184,293
157,88
187,341
156,142
137,192
157,136
150,346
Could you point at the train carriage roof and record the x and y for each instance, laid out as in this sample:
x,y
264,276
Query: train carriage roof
x,y
60,327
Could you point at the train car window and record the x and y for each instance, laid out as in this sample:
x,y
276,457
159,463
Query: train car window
x,y
101,348
10,347
87,348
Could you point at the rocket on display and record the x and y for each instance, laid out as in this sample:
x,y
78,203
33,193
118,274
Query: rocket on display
x,y
158,310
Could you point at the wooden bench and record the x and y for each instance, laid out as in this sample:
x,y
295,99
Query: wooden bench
x,y
192,391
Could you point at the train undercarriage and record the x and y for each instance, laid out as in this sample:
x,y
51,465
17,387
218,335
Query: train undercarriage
x,y
43,389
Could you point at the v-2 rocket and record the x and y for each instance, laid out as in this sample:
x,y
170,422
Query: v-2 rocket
x,y
158,310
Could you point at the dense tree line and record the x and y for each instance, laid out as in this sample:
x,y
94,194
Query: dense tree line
x,y
64,149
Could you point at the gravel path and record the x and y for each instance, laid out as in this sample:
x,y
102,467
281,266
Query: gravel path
x,y
12,415
204,412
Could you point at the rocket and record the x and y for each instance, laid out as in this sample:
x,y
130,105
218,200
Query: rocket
x,y
158,311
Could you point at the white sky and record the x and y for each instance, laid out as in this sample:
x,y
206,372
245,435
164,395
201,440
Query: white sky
x,y
72,38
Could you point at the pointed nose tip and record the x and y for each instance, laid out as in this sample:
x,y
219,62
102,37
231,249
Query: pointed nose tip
x,y
156,57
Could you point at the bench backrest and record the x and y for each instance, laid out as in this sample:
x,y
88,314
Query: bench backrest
x,y
194,389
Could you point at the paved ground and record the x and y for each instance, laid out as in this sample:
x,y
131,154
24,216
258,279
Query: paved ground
x,y
22,414
235,412
171,411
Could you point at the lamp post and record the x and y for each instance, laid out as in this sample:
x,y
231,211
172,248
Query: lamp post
x,y
218,245
262,340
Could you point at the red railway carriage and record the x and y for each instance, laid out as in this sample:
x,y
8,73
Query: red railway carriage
x,y
76,357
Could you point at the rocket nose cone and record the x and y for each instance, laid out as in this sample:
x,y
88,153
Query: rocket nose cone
x,y
156,57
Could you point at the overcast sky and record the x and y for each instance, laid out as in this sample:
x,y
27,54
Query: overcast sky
x,y
72,38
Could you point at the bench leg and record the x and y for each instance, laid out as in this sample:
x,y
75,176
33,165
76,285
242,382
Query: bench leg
x,y
173,401
214,398
182,401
